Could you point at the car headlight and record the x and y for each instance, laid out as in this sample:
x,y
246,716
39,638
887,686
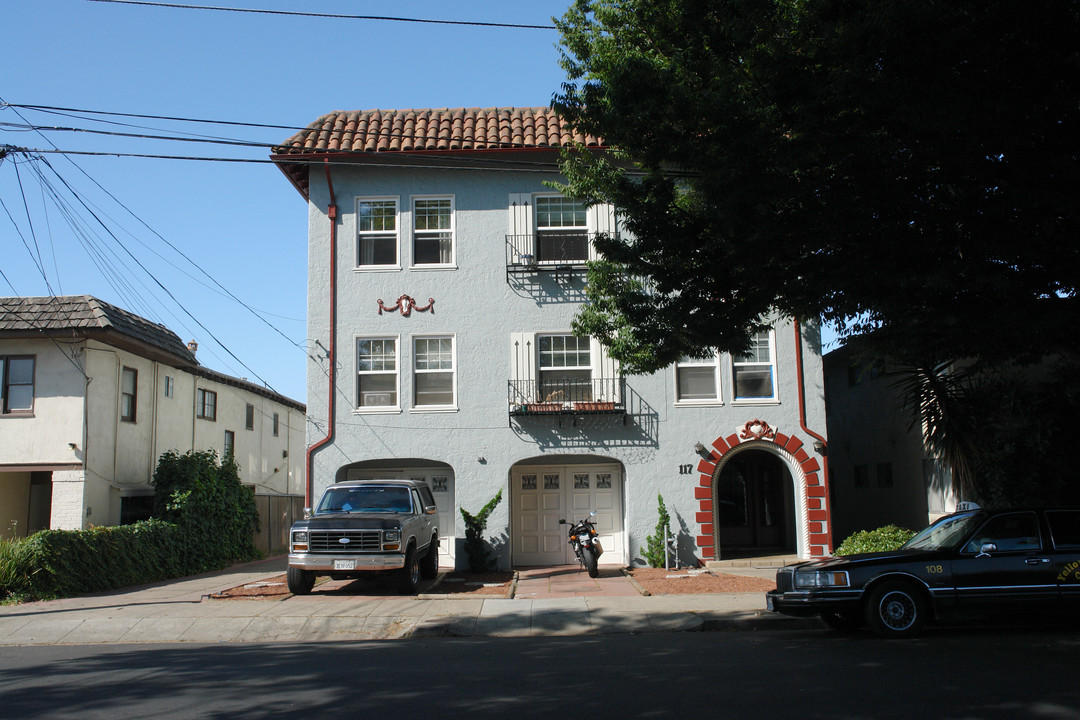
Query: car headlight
x,y
821,579
299,537
391,535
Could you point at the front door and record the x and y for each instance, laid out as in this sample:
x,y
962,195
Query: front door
x,y
751,501
541,496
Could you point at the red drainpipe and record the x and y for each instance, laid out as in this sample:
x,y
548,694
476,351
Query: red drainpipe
x,y
811,433
331,213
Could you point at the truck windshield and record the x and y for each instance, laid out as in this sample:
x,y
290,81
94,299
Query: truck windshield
x,y
365,499
945,534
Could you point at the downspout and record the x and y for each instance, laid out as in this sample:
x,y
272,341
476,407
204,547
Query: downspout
x,y
331,214
811,433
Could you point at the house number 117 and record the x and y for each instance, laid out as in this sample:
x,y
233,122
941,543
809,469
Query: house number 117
x,y
686,469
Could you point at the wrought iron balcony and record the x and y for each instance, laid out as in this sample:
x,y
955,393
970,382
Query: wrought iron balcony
x,y
568,396
548,252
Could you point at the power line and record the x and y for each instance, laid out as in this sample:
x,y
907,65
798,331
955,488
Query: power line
x,y
334,16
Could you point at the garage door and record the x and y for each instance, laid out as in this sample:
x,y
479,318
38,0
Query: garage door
x,y
441,482
541,496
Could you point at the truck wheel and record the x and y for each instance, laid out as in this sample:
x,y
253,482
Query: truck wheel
x,y
429,566
409,576
896,610
299,581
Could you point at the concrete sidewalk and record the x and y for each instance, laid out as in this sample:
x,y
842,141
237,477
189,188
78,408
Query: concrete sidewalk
x,y
180,611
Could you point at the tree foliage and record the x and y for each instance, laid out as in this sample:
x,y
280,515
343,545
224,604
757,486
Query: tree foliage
x,y
909,168
477,548
656,544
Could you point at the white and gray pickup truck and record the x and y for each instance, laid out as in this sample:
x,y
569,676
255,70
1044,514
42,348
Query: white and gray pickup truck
x,y
361,526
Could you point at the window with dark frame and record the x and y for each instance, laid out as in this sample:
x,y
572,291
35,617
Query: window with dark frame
x,y
249,417
230,443
206,405
129,384
16,384
275,424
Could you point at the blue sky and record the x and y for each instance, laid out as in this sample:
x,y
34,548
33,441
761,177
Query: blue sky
x,y
242,224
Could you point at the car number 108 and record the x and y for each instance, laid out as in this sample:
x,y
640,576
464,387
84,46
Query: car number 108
x,y
935,569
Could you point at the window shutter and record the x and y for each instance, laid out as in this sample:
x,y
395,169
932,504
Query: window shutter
x,y
522,368
601,220
520,229
605,370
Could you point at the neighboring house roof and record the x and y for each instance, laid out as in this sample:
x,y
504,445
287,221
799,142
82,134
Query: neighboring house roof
x,y
86,316
449,130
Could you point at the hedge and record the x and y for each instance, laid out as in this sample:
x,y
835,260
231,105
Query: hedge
x,y
884,539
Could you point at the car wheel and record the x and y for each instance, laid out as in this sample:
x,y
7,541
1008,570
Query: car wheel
x,y
409,577
299,581
895,609
842,621
429,566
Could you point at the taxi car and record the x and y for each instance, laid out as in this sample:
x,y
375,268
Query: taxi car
x,y
977,562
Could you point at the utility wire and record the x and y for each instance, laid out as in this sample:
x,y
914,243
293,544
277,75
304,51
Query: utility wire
x,y
334,16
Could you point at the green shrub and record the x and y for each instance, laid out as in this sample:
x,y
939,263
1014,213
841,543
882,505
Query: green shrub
x,y
207,519
655,545
477,549
883,539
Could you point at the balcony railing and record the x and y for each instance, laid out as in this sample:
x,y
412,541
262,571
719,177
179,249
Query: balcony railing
x,y
566,397
547,252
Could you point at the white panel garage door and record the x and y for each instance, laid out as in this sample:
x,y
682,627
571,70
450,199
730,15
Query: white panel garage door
x,y
441,482
542,495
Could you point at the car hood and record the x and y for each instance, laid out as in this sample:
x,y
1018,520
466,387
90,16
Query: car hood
x,y
870,559
357,521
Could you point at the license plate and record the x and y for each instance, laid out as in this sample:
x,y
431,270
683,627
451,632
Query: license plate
x,y
768,602
344,564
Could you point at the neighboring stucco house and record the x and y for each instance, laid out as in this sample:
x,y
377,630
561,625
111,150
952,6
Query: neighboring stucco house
x,y
91,396
443,276
880,472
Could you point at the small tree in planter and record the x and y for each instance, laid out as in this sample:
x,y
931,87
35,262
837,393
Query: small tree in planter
x,y
477,548
655,544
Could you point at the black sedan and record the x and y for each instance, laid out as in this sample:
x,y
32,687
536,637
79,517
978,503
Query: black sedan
x,y
1018,562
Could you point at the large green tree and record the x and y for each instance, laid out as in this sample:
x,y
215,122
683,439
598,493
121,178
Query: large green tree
x,y
911,168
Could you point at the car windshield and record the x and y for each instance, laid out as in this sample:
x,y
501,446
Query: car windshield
x,y
945,534
365,499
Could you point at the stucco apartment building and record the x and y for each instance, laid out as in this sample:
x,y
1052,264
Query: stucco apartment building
x,y
91,395
444,272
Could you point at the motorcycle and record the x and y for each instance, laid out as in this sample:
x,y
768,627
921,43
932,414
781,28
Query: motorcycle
x,y
586,544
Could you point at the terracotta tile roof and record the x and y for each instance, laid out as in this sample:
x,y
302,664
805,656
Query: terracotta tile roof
x,y
433,130
447,130
86,316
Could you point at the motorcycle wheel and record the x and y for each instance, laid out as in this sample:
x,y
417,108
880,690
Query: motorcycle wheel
x,y
588,555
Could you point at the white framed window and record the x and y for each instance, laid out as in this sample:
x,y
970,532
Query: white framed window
x,y
230,443
377,373
562,230
565,365
433,231
434,375
16,385
129,385
170,386
754,374
206,404
697,380
377,232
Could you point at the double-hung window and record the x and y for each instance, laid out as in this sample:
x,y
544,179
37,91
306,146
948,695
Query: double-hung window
x,y
697,380
433,231
230,443
129,383
206,404
434,379
565,365
562,234
16,385
376,373
755,372
377,232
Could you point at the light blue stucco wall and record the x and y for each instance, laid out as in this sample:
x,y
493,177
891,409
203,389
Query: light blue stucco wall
x,y
477,304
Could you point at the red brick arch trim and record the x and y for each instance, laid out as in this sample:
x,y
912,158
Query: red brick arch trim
x,y
812,519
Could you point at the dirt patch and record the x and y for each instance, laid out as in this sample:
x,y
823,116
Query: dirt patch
x,y
659,581
467,584
273,587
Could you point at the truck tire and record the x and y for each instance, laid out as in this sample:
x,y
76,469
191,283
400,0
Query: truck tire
x,y
299,581
409,576
429,566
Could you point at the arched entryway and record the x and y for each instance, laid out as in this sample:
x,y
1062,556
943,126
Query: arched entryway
x,y
755,503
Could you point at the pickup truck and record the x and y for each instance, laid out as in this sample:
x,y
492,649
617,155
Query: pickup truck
x,y
363,526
